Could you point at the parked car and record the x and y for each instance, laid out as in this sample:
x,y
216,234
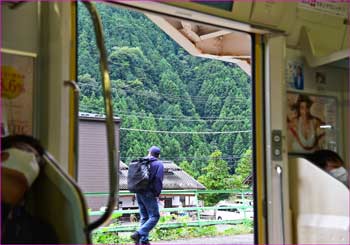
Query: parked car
x,y
233,212
244,202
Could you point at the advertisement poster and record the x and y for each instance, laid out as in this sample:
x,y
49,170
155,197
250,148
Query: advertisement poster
x,y
331,7
17,76
295,75
312,123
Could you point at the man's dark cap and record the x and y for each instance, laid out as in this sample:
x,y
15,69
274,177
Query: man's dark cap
x,y
154,150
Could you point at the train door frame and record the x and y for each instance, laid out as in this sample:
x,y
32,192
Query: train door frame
x,y
277,184
56,103
263,195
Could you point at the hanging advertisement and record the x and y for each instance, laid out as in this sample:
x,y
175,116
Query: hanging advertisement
x,y
331,7
295,74
17,78
312,123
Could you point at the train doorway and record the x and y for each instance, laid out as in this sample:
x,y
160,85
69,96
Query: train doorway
x,y
190,88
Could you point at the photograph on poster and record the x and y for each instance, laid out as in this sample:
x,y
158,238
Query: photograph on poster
x,y
295,75
311,121
17,77
320,81
320,78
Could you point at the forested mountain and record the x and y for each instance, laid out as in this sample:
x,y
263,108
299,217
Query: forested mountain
x,y
158,86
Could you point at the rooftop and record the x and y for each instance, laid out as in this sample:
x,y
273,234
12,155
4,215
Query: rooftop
x,y
174,178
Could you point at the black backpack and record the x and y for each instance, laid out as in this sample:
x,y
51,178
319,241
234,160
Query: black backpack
x,y
139,175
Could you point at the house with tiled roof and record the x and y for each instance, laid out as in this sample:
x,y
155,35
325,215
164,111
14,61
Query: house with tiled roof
x,y
174,179
93,171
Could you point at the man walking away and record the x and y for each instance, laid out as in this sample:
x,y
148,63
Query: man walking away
x,y
148,199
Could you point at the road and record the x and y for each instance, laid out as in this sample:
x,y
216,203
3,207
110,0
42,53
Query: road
x,y
233,239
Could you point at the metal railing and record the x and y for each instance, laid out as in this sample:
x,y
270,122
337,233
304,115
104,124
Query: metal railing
x,y
197,217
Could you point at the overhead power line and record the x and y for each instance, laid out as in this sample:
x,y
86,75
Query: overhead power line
x,y
180,96
152,93
167,117
183,120
184,132
177,117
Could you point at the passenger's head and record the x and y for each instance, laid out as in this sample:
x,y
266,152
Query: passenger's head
x,y
303,105
154,151
331,162
326,159
21,160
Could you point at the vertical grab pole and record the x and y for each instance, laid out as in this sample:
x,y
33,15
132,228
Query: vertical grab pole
x,y
279,171
76,92
112,153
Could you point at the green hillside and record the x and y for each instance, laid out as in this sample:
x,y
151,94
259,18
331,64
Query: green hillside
x,y
158,86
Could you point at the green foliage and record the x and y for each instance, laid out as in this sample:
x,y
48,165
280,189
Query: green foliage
x,y
159,234
245,228
116,215
243,170
188,168
215,177
110,238
157,85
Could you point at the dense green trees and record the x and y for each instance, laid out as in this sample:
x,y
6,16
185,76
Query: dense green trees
x,y
215,176
157,86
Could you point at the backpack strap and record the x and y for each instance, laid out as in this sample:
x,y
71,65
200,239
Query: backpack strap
x,y
146,160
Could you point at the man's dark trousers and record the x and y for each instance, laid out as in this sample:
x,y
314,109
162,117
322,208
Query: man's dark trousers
x,y
149,212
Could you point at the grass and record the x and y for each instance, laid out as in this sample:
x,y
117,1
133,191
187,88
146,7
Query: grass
x,y
158,234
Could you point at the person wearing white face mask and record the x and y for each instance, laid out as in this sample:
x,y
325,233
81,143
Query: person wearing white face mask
x,y
21,162
332,163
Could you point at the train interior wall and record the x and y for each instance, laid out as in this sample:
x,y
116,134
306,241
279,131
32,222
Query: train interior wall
x,y
335,84
43,30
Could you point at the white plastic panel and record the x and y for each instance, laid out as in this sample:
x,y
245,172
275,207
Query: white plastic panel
x,y
20,27
54,63
242,10
275,114
268,13
320,205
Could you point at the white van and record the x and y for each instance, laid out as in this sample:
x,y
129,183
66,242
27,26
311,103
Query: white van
x,y
229,212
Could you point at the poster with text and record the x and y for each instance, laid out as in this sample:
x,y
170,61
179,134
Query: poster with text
x,y
312,123
330,7
17,77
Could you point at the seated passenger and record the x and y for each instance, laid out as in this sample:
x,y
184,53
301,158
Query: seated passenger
x,y
330,162
21,158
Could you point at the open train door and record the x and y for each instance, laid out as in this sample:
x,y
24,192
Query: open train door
x,y
218,36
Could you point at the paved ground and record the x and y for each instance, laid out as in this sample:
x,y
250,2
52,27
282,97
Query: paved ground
x,y
234,239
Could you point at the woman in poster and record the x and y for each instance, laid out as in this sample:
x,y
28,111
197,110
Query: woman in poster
x,y
304,127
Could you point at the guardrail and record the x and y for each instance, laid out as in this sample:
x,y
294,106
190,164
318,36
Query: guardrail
x,y
198,210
